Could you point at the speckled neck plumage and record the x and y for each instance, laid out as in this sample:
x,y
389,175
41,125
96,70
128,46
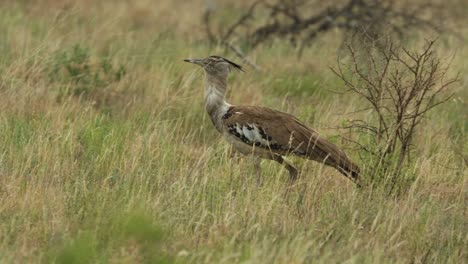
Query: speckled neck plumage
x,y
215,104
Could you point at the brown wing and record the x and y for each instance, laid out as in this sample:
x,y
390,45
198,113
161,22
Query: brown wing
x,y
284,134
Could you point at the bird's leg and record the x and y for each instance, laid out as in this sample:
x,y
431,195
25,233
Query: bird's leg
x,y
293,173
234,154
257,169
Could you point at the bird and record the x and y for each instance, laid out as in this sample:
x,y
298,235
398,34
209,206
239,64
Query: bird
x,y
265,133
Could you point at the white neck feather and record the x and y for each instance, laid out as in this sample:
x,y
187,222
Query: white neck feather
x,y
215,104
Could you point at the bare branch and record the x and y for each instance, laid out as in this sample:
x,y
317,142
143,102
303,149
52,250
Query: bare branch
x,y
302,21
242,20
401,86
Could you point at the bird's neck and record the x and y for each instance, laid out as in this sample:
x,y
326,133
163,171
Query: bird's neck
x,y
215,104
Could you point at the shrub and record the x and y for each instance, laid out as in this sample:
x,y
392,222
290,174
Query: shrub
x,y
399,87
84,76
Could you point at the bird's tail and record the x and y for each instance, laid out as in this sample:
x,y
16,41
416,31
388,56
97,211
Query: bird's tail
x,y
322,150
349,169
338,159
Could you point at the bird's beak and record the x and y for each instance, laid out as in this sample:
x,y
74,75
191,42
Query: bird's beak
x,y
195,61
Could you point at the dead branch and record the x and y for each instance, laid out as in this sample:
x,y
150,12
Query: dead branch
x,y
400,86
301,23
225,39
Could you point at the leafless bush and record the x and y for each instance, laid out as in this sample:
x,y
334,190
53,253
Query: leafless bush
x,y
301,21
399,87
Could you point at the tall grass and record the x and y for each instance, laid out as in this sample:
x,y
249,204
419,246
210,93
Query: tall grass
x,y
101,166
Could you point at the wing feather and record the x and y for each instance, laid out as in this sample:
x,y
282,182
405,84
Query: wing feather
x,y
284,134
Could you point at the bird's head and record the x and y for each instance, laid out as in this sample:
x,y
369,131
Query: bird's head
x,y
216,65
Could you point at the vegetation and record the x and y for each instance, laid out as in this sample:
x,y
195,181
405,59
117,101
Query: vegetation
x,y
399,88
107,155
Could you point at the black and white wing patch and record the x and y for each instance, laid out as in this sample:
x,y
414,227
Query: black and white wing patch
x,y
250,134
254,135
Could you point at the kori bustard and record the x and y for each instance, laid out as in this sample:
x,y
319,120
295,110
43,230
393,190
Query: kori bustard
x,y
266,133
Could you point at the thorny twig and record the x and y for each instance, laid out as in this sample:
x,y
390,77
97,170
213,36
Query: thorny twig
x,y
224,40
301,23
401,87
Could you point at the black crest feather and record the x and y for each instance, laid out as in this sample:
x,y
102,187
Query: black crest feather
x,y
233,64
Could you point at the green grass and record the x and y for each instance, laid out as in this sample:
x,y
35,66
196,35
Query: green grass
x,y
107,155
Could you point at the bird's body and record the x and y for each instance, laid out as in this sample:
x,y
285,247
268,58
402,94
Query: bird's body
x,y
263,132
